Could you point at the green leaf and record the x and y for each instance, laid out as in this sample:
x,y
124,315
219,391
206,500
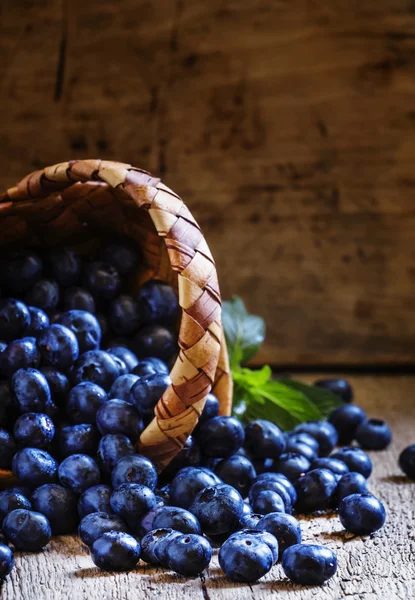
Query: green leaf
x,y
244,332
325,400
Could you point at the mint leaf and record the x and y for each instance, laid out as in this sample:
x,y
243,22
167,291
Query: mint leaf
x,y
325,400
244,332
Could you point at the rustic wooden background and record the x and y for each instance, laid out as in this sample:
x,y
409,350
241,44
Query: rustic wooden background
x,y
287,125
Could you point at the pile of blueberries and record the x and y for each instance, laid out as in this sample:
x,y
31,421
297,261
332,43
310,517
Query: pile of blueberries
x,y
71,412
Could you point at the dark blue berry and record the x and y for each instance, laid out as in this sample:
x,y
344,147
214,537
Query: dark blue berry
x,y
155,341
323,431
78,439
154,545
134,469
268,538
218,508
236,471
147,391
210,410
362,513
77,298
116,551
158,304
350,483
308,564
34,466
20,271
58,347
268,501
27,530
245,558
7,449
340,387
189,554
31,390
59,505
14,319
131,501
285,528
96,524
65,266
6,561
78,472
121,388
268,485
188,482
127,356
282,480
300,448
84,326
111,448
19,354
188,456
124,316
7,404
221,437
150,366
291,465
374,434
249,519
303,438
336,466
121,254
11,500
118,416
315,490
146,523
176,518
44,294
264,439
96,366
346,420
407,461
34,429
102,280
39,321
58,384
95,499
84,400
356,459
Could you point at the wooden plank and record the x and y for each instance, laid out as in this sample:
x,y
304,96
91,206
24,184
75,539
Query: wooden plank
x,y
378,566
287,127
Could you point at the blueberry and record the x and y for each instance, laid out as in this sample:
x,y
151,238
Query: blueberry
x,y
291,465
245,558
249,520
20,271
264,439
34,466
78,472
95,499
236,471
150,366
373,434
96,524
210,410
336,466
300,448
308,564
315,490
131,501
350,483
285,528
84,400
59,505
65,266
10,500
188,456
7,449
124,316
303,438
134,469
58,347
340,387
39,321
118,416
155,340
218,508
146,523
357,460
31,390
127,356
176,518
189,554
19,354
7,405
14,319
158,304
323,431
282,480
34,429
154,545
96,366
116,551
147,391
187,483
221,436
102,280
268,501
121,388
27,530
78,439
407,461
362,514
44,294
111,448
121,254
346,420
268,539
77,298
84,326
58,384
6,561
267,485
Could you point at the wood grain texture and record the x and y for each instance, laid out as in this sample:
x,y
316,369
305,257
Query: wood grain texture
x,y
370,568
287,126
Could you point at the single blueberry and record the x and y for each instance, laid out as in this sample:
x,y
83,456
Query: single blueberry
x,y
188,482
268,538
147,391
362,513
102,280
340,387
124,316
78,472
84,325
356,459
131,501
27,530
127,356
291,465
20,270
7,449
308,564
10,500
407,461
14,319
268,501
34,466
78,439
84,400
346,420
249,519
154,545
155,341
150,366
44,294
221,437
6,561
315,490
176,518
134,469
58,384
268,485
146,523
64,265
121,388
122,254
111,448
323,431
210,410
282,480
31,390
96,524
116,551
77,298
158,304
19,354
118,416
189,554
58,347
96,366
285,528
350,483
264,439
336,466
218,508
34,429
59,505
303,438
39,321
245,558
236,471
300,448
95,499
374,434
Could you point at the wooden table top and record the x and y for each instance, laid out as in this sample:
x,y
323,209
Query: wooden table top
x,y
380,566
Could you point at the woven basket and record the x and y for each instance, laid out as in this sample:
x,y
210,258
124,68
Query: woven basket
x,y
80,202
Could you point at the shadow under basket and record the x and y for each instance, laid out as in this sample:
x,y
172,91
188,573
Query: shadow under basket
x,y
82,203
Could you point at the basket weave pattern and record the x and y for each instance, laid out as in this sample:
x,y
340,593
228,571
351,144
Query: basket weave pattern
x,y
78,202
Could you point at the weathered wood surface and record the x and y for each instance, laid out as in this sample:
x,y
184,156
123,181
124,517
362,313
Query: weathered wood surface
x,y
288,126
372,568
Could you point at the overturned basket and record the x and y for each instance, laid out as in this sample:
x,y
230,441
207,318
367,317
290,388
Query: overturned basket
x,y
78,202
